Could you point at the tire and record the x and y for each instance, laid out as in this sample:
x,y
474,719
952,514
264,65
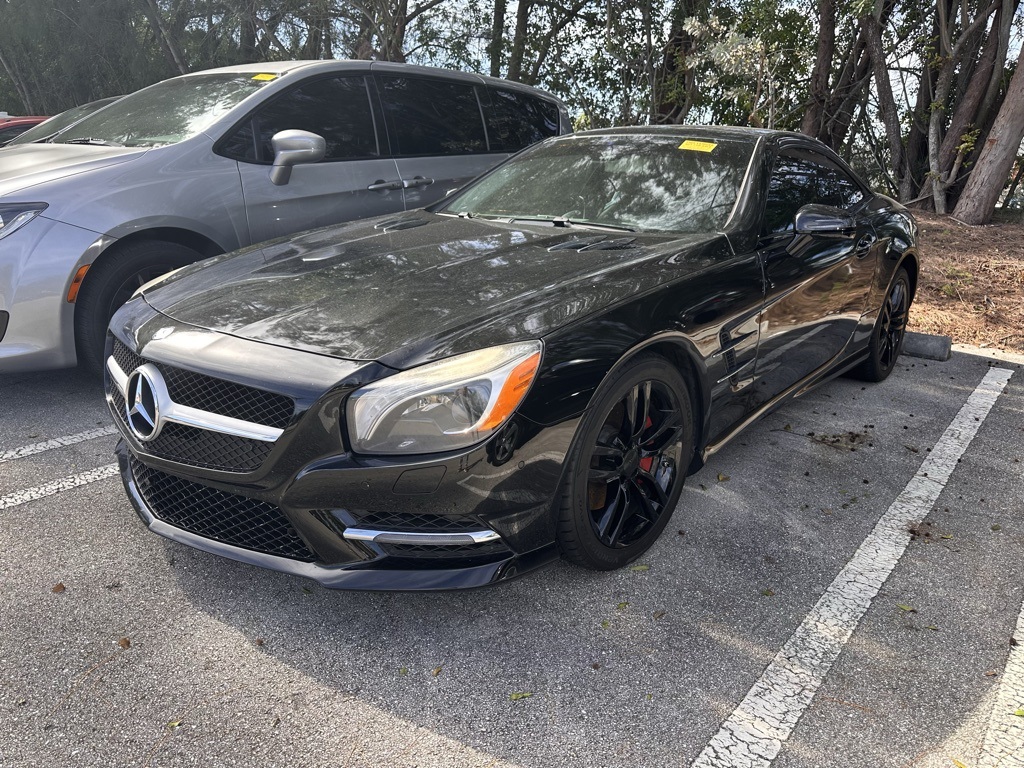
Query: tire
x,y
889,332
622,482
110,283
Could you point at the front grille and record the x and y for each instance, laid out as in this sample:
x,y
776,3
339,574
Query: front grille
x,y
213,514
214,395
200,447
410,521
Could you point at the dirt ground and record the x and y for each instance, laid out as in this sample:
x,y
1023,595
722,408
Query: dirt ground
x,y
972,282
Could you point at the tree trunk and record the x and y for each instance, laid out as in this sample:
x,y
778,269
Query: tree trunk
x,y
494,48
813,121
19,86
886,102
167,42
978,200
515,59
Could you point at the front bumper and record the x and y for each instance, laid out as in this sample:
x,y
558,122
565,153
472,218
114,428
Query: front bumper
x,y
37,264
309,507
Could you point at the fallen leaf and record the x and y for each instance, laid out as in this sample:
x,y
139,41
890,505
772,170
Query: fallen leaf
x,y
768,592
907,608
997,527
605,624
58,588
595,665
259,641
722,478
1019,712
957,763
991,673
659,614
125,643
307,590
788,428
640,568
945,535
932,627
622,606
174,724
681,532
520,695
435,671
403,670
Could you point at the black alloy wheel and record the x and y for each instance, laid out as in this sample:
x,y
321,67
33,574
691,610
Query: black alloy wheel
x,y
889,332
628,468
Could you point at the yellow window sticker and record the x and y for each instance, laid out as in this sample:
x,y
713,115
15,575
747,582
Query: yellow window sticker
x,y
264,77
698,146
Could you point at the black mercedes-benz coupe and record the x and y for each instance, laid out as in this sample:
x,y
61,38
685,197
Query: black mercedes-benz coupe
x,y
530,368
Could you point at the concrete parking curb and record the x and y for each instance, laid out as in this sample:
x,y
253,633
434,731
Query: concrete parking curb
x,y
928,346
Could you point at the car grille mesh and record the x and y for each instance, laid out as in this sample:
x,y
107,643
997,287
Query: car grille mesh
x,y
213,514
199,447
214,395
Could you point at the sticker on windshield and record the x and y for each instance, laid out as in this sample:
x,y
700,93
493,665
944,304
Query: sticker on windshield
x,y
264,77
698,146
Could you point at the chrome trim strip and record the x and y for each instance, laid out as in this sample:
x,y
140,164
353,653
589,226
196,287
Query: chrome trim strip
x,y
193,417
409,537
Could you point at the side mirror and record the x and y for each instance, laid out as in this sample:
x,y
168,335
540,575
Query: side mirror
x,y
294,148
821,220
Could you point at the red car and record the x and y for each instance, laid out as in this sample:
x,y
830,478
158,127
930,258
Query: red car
x,y
12,127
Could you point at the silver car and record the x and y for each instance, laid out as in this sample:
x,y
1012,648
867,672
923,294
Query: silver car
x,y
212,161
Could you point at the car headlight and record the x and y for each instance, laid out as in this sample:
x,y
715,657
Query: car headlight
x,y
14,216
445,405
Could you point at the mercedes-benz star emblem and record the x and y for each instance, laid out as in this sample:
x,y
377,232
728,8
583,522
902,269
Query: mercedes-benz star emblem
x,y
142,404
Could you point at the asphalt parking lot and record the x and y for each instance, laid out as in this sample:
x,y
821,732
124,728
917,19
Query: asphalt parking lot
x,y
824,596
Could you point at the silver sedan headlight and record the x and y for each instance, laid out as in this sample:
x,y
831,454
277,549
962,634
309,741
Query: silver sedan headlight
x,y
445,405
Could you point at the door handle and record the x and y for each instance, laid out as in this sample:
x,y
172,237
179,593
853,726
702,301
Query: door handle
x,y
380,185
864,244
417,181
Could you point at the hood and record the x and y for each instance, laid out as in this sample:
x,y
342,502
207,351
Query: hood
x,y
421,286
26,165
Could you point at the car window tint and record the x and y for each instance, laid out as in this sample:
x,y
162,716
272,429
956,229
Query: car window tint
x,y
836,188
432,117
336,108
516,120
793,184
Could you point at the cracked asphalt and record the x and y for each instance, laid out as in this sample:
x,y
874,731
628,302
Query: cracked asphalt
x,y
153,654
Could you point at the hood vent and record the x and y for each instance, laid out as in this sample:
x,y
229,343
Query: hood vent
x,y
599,243
393,225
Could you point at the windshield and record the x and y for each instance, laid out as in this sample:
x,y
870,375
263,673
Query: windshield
x,y
165,113
59,122
661,183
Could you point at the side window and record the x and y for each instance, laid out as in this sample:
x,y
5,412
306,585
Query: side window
x,y
432,117
336,108
793,184
836,188
516,120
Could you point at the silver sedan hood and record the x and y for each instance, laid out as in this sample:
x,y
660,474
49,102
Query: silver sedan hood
x,y
27,165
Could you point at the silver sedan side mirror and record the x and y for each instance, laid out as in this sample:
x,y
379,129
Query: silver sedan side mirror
x,y
294,148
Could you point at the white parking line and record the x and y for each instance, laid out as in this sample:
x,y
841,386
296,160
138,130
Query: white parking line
x,y
1003,746
752,736
52,488
57,442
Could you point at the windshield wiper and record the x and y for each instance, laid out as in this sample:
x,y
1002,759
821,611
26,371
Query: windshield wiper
x,y
93,142
562,221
